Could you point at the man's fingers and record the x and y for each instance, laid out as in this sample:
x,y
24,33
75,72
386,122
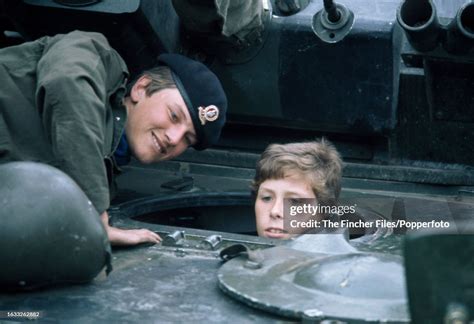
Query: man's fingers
x,y
123,237
149,236
157,237
152,237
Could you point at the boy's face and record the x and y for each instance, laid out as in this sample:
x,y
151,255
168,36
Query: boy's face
x,y
159,126
269,203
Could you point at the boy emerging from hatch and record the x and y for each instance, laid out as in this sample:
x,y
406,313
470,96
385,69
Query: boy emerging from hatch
x,y
294,171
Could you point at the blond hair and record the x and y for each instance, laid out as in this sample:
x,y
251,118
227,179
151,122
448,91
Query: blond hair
x,y
317,161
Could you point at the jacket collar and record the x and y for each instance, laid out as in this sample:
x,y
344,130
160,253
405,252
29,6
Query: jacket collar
x,y
119,113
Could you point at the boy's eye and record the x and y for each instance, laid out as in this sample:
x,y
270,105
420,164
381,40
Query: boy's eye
x,y
265,198
296,201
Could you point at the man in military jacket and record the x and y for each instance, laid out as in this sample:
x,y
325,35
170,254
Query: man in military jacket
x,y
65,101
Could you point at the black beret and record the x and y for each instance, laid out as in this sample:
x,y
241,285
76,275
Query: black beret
x,y
203,94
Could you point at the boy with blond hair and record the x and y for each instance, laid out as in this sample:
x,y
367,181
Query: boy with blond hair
x,y
294,171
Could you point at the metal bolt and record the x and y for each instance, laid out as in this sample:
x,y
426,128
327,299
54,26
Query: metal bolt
x,y
311,316
211,242
252,265
173,238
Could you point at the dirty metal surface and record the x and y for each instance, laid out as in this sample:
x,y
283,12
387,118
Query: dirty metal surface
x,y
148,284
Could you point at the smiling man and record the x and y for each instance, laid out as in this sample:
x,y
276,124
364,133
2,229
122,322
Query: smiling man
x,y
65,101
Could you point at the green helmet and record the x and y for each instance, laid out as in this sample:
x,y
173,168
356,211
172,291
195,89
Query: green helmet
x,y
50,232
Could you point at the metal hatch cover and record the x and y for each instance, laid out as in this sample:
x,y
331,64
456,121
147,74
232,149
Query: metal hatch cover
x,y
362,287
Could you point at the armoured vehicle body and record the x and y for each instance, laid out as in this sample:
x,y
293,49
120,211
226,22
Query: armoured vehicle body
x,y
390,86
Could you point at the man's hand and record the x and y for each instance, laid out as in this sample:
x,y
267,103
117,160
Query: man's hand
x,y
123,237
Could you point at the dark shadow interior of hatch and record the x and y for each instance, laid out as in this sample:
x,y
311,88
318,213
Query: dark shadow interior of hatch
x,y
230,212
225,211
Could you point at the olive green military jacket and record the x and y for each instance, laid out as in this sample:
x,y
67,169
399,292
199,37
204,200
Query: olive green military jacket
x,y
60,104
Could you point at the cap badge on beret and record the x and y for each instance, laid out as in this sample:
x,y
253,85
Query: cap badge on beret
x,y
208,114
